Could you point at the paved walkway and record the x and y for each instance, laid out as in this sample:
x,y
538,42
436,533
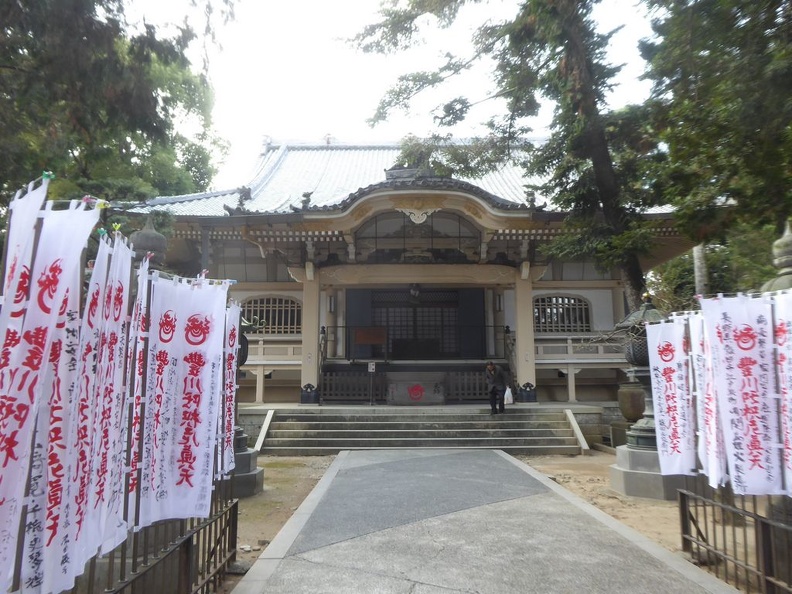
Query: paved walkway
x,y
468,521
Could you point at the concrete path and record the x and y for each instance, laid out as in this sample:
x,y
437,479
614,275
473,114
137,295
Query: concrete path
x,y
468,521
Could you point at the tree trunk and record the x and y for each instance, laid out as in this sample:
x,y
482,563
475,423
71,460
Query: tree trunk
x,y
633,278
700,276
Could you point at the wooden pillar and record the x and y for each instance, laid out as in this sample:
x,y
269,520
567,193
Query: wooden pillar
x,y
310,332
525,359
260,372
499,320
332,330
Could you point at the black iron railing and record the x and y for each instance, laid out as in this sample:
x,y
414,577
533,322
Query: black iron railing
x,y
744,540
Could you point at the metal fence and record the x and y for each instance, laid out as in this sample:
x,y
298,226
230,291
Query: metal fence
x,y
744,540
174,556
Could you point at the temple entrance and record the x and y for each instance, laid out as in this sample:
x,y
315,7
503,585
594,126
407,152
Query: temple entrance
x,y
416,324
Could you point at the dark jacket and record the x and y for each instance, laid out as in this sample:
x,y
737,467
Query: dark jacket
x,y
496,378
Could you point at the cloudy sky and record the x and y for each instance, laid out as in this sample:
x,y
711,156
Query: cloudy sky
x,y
285,72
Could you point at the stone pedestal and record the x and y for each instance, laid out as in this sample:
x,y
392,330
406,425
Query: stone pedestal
x,y
637,473
247,478
618,432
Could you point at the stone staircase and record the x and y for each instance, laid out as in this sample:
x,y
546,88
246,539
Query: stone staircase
x,y
320,431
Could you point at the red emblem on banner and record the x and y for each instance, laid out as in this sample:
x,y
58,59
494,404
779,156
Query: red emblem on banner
x,y
118,302
666,351
167,326
93,306
232,336
48,286
745,338
197,329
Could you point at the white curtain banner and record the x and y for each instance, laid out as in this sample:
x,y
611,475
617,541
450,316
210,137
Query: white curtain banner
x,y
81,529
160,390
112,454
48,477
62,460
63,235
744,386
673,404
137,363
783,342
232,339
200,311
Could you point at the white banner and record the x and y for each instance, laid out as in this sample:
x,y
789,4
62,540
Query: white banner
x,y
200,312
83,533
62,460
232,338
48,473
783,341
63,235
137,364
160,392
110,459
745,391
673,403
183,401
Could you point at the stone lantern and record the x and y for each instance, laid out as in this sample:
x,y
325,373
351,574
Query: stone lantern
x,y
641,434
637,469
149,240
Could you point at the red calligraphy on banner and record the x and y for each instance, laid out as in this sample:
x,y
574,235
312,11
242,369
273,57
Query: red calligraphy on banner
x,y
190,417
11,341
750,411
670,399
230,388
55,450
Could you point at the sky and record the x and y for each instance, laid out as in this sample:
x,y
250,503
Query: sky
x,y
283,71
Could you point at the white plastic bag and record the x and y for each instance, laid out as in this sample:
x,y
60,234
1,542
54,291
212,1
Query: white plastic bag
x,y
508,398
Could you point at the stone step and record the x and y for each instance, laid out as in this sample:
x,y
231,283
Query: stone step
x,y
325,430
483,423
530,450
417,442
371,432
418,418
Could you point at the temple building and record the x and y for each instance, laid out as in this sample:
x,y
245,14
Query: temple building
x,y
363,281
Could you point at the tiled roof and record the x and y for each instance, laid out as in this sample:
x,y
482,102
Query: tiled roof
x,y
335,175
332,175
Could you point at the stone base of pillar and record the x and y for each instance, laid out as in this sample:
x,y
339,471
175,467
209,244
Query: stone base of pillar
x,y
248,478
637,474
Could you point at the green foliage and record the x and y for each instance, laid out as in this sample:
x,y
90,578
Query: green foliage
x,y
598,166
722,72
740,262
91,99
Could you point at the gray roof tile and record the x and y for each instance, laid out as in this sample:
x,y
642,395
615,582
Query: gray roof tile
x,y
332,174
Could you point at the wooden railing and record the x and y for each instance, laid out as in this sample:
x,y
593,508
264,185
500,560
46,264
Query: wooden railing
x,y
274,349
576,348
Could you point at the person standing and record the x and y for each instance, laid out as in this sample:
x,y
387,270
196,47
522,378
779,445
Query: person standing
x,y
496,386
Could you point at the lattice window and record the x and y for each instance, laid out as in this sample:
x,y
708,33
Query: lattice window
x,y
561,314
273,315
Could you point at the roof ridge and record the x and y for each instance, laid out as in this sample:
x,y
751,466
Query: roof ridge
x,y
159,200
